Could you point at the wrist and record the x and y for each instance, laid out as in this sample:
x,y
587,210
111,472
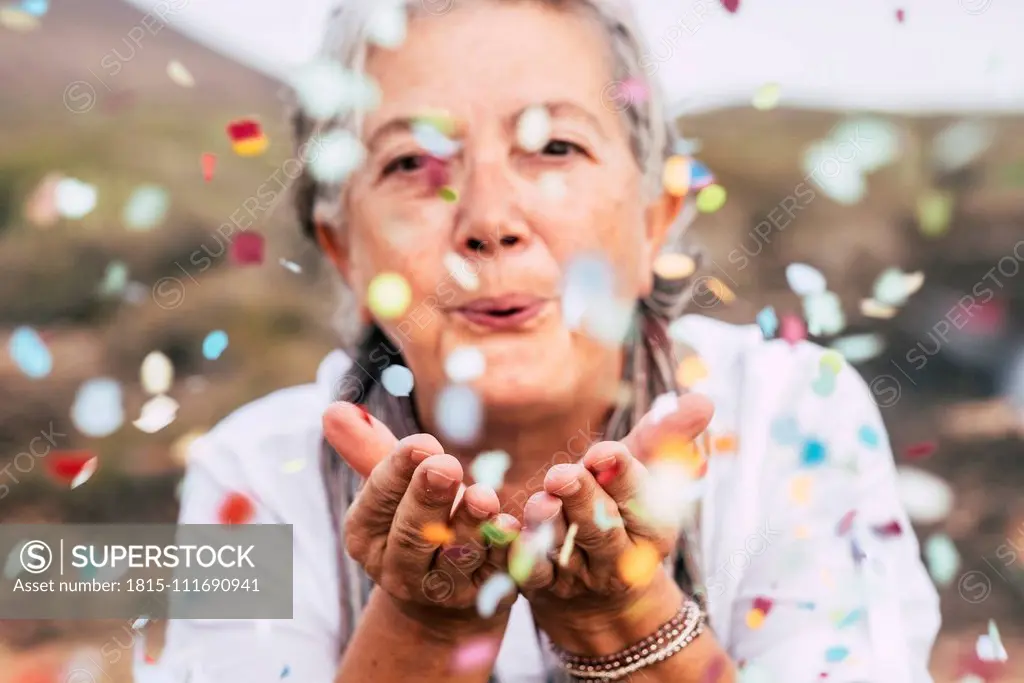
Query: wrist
x,y
606,629
443,626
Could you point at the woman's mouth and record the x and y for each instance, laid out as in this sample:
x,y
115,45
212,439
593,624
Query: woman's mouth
x,y
508,312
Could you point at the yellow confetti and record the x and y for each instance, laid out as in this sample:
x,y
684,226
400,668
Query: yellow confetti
x,y
389,295
639,563
800,489
832,361
293,466
721,290
767,96
755,619
438,534
690,371
251,147
711,198
934,213
676,176
448,194
570,540
870,308
674,266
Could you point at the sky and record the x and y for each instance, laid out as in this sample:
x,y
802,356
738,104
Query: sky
x,y
945,56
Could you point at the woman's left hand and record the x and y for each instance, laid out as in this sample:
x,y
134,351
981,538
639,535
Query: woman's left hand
x,y
615,563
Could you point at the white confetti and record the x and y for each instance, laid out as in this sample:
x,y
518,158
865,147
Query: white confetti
x,y
489,468
146,208
961,144
74,199
157,373
157,413
663,406
98,409
824,314
552,185
567,545
458,267
872,142
533,130
433,140
893,287
610,323
492,592
290,265
926,498
588,283
943,559
84,474
397,380
870,308
843,182
177,72
465,364
340,154
805,280
387,25
293,466
990,647
459,414
140,623
325,90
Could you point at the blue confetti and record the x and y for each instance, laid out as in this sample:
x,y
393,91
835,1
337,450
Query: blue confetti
x,y
868,436
814,452
36,8
786,431
214,344
700,176
856,552
836,654
825,384
805,605
30,353
286,671
768,322
851,618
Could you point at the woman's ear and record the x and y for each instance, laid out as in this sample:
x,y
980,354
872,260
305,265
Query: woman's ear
x,y
334,247
659,217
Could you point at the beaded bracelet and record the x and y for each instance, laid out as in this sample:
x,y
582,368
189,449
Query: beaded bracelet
x,y
669,639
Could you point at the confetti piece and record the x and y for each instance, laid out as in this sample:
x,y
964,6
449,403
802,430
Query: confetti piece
x,y
831,361
763,604
17,20
427,136
157,413
868,436
459,414
29,353
890,530
438,534
711,198
567,545
610,324
727,443
521,563
800,489
824,314
849,619
293,466
700,176
639,563
458,268
290,265
66,466
397,380
215,344
74,198
589,282
961,144
634,91
552,185
340,154
36,8
870,308
844,183
674,266
236,508
156,373
286,671
497,536
86,472
731,5
365,414
326,90
768,322
139,623
492,592
691,371
859,348
97,410
247,249
900,15
477,653
805,280
675,176
814,453
893,287
146,208
767,97
177,72
836,654
489,468
934,213
943,559
990,647
603,519
115,279
533,129
208,162
846,523
792,329
926,498
920,450
464,364
755,619
247,138
786,431
387,26
824,385
448,194
388,296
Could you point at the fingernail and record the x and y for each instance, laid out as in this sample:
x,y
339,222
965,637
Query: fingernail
x,y
419,456
365,413
569,489
477,512
439,482
603,464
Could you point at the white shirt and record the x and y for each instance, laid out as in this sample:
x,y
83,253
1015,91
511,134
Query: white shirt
x,y
791,456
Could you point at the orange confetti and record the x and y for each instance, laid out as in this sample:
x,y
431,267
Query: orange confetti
x,y
691,370
638,564
755,619
438,534
725,444
800,489
685,452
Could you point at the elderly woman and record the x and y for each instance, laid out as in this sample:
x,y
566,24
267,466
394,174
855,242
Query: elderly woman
x,y
549,501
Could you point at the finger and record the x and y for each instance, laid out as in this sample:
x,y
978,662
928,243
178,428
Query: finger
x,y
542,515
506,529
528,563
623,478
427,504
691,416
580,494
467,551
380,496
358,437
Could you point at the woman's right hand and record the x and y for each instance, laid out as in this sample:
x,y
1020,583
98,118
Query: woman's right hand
x,y
392,527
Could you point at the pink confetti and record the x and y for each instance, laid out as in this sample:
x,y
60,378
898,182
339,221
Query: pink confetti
x,y
209,163
889,530
247,249
764,604
475,654
634,90
792,328
846,523
731,5
920,451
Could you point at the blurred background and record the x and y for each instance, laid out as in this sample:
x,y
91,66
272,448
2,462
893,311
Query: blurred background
x,y
152,276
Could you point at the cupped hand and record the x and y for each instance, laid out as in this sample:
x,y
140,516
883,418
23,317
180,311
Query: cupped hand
x,y
608,546
402,528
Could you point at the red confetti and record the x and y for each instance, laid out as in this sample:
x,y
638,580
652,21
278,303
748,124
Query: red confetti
x,y
731,5
365,413
150,659
606,477
920,451
209,164
792,329
764,605
846,523
900,16
244,129
65,465
247,248
236,509
889,530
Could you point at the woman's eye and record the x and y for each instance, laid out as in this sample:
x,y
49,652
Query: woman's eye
x,y
407,164
561,148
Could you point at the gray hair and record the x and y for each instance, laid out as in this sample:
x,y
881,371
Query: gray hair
x,y
652,135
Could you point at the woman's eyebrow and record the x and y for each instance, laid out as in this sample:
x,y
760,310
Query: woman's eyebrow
x,y
402,124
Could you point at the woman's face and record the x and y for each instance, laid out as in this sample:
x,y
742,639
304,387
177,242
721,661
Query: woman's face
x,y
519,217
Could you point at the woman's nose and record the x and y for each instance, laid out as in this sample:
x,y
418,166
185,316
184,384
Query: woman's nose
x,y
489,220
